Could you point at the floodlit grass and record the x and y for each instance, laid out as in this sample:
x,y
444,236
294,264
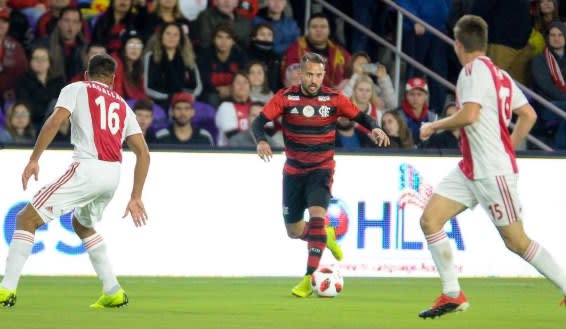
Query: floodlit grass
x,y
266,303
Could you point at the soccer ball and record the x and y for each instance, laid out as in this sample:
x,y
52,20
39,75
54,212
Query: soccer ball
x,y
327,282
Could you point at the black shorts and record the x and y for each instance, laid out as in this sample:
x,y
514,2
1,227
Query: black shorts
x,y
303,191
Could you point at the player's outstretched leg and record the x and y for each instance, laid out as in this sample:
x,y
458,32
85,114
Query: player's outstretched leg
x,y
446,304
304,287
332,244
7,297
118,299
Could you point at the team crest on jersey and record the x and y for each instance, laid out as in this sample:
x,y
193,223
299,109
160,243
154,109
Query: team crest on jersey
x,y
324,111
323,98
308,111
294,111
293,97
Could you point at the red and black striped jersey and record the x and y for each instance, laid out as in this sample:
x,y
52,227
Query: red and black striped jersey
x,y
309,125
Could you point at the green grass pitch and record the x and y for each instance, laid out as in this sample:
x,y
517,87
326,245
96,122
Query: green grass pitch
x,y
266,303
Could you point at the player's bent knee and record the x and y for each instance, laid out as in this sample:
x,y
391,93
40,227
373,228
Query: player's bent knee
x,y
28,219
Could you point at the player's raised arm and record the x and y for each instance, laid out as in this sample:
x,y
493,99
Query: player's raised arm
x,y
135,207
46,135
526,119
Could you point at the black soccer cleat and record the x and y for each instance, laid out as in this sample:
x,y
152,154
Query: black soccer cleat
x,y
446,304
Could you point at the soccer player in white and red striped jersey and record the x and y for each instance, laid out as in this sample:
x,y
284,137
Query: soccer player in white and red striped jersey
x,y
488,173
100,122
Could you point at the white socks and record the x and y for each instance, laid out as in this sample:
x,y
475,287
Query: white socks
x,y
20,249
539,257
96,249
441,251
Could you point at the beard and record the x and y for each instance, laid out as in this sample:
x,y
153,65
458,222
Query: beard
x,y
306,90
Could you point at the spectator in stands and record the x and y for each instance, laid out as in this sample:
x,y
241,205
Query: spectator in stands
x,y
13,61
223,11
121,16
366,99
143,109
546,11
92,49
18,124
507,38
33,9
245,137
261,49
166,11
425,47
414,108
257,74
48,21
317,40
39,86
348,137
292,75
446,139
66,44
19,26
285,28
549,72
128,81
360,65
219,64
181,131
373,15
170,66
400,136
231,116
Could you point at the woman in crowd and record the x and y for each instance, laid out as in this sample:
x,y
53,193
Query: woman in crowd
x,y
257,74
18,124
39,86
170,66
396,128
129,81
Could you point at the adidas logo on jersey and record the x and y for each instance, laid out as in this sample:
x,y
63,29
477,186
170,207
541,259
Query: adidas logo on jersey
x,y
294,111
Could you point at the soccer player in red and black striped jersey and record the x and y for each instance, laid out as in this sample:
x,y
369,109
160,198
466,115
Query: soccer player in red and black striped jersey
x,y
309,113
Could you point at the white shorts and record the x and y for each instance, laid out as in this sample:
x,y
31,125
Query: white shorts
x,y
86,187
497,195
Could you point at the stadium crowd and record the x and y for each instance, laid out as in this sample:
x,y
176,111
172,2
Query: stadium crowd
x,y
197,72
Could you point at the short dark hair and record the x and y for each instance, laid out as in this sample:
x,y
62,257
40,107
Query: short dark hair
x,y
260,26
317,15
312,57
143,104
471,32
70,9
223,27
102,65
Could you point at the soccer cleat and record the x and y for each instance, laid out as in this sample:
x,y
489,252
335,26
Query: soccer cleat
x,y
446,304
7,297
118,299
331,243
304,288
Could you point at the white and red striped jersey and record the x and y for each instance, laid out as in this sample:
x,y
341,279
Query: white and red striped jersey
x,y
100,120
486,144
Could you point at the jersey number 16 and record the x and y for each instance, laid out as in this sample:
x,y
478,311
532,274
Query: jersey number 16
x,y
109,118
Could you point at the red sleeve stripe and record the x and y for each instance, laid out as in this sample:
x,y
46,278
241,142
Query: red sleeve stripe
x,y
45,194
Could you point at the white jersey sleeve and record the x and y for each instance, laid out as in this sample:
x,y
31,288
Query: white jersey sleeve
x,y
68,97
132,125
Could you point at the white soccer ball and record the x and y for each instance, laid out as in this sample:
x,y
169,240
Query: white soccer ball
x,y
327,282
